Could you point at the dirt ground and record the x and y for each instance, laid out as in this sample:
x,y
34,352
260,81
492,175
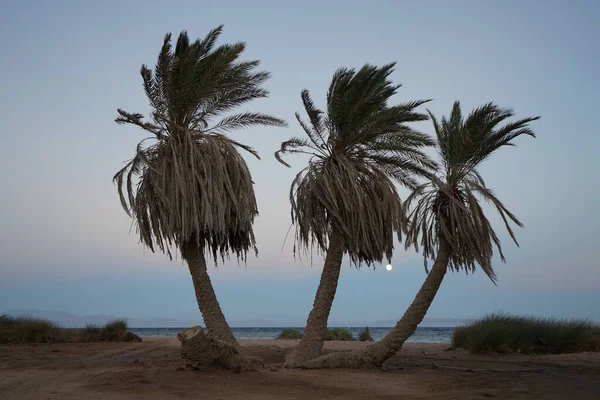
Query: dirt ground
x,y
149,370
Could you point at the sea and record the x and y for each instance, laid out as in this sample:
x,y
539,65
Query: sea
x,y
422,335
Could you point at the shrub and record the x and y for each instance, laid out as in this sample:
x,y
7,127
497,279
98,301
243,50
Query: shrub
x,y
504,333
91,333
92,329
365,335
35,330
339,334
28,330
290,333
114,330
5,322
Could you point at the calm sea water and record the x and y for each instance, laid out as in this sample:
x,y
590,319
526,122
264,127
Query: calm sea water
x,y
422,335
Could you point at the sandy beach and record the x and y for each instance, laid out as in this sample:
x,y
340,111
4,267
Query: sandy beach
x,y
150,370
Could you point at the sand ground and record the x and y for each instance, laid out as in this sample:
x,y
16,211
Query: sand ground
x,y
149,370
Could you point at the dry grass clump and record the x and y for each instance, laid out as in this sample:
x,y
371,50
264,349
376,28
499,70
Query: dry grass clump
x,y
27,329
506,333
114,330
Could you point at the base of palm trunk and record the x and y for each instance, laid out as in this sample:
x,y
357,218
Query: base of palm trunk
x,y
203,353
347,359
300,355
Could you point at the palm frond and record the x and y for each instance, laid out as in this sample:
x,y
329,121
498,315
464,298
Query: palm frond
x,y
245,120
359,149
191,184
447,207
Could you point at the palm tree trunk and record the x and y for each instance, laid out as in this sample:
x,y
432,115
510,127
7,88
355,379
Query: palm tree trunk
x,y
214,319
200,352
316,326
376,354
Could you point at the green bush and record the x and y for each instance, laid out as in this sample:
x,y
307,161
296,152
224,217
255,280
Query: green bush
x,y
365,335
28,330
290,333
339,334
504,333
114,330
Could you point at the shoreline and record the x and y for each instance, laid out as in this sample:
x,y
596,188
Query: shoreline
x,y
289,343
426,335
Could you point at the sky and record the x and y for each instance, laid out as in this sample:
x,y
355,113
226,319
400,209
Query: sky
x,y
66,244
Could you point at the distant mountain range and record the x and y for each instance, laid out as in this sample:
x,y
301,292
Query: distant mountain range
x,y
69,320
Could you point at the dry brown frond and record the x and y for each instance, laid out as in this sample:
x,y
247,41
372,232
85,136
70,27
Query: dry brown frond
x,y
338,196
196,188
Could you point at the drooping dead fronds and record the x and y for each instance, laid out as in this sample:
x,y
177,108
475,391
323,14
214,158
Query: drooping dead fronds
x,y
191,183
353,200
358,150
448,206
196,189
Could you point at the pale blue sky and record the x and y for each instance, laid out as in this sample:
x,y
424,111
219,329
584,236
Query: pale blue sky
x,y
68,65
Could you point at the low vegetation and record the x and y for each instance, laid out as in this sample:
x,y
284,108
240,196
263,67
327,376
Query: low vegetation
x,y
92,329
506,333
114,330
27,329
365,335
290,333
340,334
332,334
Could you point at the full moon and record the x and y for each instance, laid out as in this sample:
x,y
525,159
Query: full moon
x,y
388,267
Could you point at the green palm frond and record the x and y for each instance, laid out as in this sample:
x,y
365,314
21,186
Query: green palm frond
x,y
192,184
358,149
448,207
244,120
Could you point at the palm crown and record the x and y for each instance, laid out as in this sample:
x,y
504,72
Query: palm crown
x,y
447,207
192,183
359,148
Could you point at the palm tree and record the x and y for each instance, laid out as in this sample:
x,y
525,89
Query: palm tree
x,y
446,219
345,200
194,191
